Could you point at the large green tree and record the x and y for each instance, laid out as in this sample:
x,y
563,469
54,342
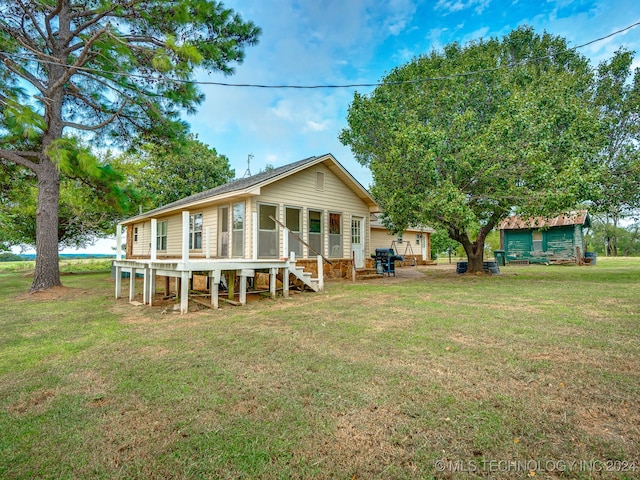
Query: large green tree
x,y
617,98
460,138
165,175
88,207
113,69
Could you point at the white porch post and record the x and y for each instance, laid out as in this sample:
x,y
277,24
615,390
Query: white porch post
x,y
154,242
320,273
254,245
285,242
119,242
207,237
185,236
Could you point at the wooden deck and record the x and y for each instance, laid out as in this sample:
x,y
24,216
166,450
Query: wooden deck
x,y
183,271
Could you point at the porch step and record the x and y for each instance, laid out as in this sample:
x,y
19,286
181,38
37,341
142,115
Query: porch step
x,y
304,277
367,274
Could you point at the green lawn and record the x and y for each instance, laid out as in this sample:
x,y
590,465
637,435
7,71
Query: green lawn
x,y
506,376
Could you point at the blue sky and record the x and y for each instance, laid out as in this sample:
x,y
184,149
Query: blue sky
x,y
309,42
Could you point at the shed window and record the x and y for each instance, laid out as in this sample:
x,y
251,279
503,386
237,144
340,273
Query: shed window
x,y
135,234
537,241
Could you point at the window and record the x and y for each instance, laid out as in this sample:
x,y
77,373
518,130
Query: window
x,y
537,241
223,232
356,231
195,231
400,237
135,234
294,224
418,238
267,231
237,234
315,232
161,236
335,235
319,180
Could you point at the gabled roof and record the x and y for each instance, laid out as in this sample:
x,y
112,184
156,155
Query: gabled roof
x,y
580,217
251,186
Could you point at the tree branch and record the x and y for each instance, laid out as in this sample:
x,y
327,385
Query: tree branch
x,y
97,126
16,68
19,158
81,60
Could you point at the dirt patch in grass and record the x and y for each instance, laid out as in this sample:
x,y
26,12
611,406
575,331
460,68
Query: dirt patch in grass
x,y
36,402
54,293
365,443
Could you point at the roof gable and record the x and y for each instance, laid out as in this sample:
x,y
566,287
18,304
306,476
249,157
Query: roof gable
x,y
251,185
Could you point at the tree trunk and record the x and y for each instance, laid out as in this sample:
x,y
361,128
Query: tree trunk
x,y
475,258
47,273
474,250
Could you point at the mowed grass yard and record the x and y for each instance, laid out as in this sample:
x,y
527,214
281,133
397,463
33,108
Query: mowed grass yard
x,y
531,373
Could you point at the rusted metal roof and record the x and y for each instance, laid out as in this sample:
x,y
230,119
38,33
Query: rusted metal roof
x,y
580,217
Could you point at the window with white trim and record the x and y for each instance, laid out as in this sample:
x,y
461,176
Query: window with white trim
x,y
195,231
161,236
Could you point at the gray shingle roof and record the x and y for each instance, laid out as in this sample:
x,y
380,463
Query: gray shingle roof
x,y
232,186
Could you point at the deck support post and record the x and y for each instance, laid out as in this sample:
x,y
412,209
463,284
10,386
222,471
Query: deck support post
x,y
243,284
118,282
285,282
214,285
132,285
184,292
320,274
145,286
273,273
152,285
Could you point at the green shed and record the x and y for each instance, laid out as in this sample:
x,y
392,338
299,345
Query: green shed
x,y
545,240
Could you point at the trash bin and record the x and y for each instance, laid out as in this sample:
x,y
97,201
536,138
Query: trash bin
x,y
593,256
500,257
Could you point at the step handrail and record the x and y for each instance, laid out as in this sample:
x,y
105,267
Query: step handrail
x,y
297,237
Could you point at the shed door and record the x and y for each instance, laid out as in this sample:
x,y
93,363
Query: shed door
x,y
357,241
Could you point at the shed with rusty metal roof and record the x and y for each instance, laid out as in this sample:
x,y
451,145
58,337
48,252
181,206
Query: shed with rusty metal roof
x,y
545,240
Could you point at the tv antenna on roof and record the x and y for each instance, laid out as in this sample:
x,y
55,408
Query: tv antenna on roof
x,y
247,172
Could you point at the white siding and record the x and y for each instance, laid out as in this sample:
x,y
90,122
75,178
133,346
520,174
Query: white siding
x,y
300,190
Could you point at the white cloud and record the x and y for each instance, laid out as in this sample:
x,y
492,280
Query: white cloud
x,y
454,6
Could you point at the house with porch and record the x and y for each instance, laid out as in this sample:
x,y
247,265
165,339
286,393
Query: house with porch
x,y
307,219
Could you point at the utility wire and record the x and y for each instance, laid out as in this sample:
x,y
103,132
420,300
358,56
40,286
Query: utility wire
x,y
331,86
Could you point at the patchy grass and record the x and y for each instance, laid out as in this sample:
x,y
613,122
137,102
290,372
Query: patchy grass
x,y
443,376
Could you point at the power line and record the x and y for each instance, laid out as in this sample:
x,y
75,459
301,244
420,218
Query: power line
x,y
327,86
